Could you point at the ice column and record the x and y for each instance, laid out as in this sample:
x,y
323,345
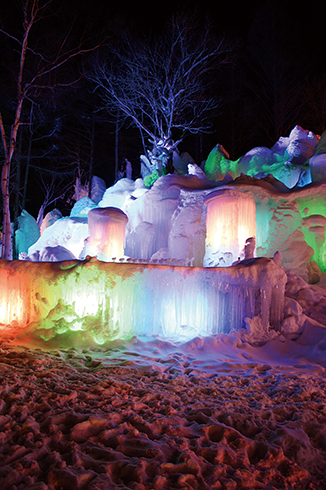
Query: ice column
x,y
231,220
107,229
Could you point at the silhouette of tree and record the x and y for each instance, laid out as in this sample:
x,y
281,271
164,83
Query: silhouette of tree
x,y
163,85
35,66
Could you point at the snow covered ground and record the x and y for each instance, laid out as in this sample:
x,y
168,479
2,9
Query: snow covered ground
x,y
221,412
214,413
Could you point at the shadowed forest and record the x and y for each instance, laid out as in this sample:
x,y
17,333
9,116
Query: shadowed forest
x,y
272,77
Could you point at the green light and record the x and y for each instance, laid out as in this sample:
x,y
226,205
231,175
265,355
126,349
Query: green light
x,y
313,213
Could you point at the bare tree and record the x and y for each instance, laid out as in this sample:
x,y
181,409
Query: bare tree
x,y
40,75
163,85
53,192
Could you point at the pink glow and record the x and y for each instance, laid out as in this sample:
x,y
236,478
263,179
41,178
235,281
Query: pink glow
x,y
107,229
231,220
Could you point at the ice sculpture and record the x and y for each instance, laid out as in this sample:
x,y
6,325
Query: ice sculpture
x,y
286,160
105,301
231,220
107,229
27,233
50,218
168,222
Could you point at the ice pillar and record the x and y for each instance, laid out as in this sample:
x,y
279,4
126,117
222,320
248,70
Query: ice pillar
x,y
107,229
231,220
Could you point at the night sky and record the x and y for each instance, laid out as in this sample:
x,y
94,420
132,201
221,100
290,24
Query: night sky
x,y
258,30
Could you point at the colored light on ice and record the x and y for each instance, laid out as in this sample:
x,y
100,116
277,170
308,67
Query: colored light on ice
x,y
105,301
13,294
11,310
107,229
231,220
313,213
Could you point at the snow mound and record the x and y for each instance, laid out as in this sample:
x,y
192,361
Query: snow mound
x,y
68,233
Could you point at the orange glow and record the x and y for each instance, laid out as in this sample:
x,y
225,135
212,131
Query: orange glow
x,y
14,296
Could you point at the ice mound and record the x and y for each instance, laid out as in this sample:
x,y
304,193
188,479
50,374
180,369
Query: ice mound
x,y
287,160
120,193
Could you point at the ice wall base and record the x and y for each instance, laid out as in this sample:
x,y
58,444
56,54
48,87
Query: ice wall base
x,y
118,300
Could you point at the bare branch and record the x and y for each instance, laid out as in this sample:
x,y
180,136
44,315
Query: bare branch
x,y
162,86
33,12
3,135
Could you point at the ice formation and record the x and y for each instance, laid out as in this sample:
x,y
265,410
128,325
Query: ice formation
x,y
66,233
197,221
50,218
231,220
288,160
107,229
27,232
119,300
97,191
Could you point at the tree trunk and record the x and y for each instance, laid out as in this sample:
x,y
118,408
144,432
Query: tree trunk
x,y
14,224
6,249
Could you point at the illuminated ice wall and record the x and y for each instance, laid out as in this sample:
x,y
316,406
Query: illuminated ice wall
x,y
118,300
231,220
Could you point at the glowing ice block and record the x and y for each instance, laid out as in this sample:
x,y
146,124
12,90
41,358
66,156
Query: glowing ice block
x,y
107,229
318,167
104,301
231,220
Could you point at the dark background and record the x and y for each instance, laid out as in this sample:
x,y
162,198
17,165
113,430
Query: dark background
x,y
277,79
